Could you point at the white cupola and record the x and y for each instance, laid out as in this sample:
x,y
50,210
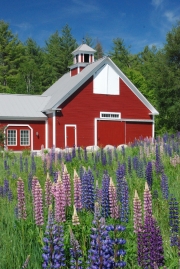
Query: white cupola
x,y
83,55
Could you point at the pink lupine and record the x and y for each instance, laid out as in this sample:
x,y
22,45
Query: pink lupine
x,y
48,193
77,191
67,186
60,201
147,202
75,218
113,202
38,205
21,199
53,189
137,208
34,181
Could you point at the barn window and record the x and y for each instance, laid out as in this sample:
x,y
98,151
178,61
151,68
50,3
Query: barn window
x,y
12,137
24,138
110,115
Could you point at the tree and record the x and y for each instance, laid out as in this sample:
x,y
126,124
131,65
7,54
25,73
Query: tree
x,y
10,58
99,51
168,82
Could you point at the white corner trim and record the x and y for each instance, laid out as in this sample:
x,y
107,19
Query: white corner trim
x,y
54,128
153,127
46,134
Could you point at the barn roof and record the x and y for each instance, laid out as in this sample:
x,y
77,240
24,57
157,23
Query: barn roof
x,y
84,48
22,106
67,85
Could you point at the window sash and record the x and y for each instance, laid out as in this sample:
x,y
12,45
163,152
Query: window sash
x,y
24,138
12,137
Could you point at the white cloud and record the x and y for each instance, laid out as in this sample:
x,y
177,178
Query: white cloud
x,y
171,16
157,3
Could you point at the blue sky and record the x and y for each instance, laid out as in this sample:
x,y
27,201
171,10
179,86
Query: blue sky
x,y
138,22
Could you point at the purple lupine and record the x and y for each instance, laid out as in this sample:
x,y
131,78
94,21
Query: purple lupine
x,y
98,193
100,252
53,250
147,202
34,181
149,175
60,202
105,196
140,169
1,191
6,187
38,205
120,173
75,252
67,186
173,220
10,195
88,191
75,218
158,163
79,153
124,208
109,153
113,202
164,186
33,164
77,191
129,166
30,177
150,244
73,152
26,165
48,193
137,210
21,199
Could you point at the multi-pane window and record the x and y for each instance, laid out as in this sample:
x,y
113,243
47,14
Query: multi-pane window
x,y
110,115
24,138
11,137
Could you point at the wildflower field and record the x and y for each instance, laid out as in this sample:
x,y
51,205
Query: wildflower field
x,y
110,208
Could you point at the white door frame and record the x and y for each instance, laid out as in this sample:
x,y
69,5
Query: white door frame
x,y
65,133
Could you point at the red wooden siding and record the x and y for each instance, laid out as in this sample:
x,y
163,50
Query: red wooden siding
x,y
37,126
83,107
50,130
110,133
70,136
137,130
74,72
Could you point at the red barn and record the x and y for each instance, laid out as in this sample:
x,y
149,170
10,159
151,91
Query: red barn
x,y
93,104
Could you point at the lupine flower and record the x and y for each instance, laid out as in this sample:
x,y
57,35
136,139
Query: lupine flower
x,y
149,175
33,164
113,202
21,199
150,245
48,193
88,191
60,201
98,193
100,252
109,152
129,166
53,250
77,191
120,173
124,208
6,187
67,186
30,177
75,252
137,208
164,186
38,205
173,220
147,202
75,218
26,165
105,196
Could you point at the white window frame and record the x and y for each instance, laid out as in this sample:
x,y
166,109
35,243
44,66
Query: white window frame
x,y
22,130
110,115
8,136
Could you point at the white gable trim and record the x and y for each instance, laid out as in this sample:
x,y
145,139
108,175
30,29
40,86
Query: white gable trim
x,y
107,60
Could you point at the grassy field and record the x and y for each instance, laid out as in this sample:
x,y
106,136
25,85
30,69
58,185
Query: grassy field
x,y
22,239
